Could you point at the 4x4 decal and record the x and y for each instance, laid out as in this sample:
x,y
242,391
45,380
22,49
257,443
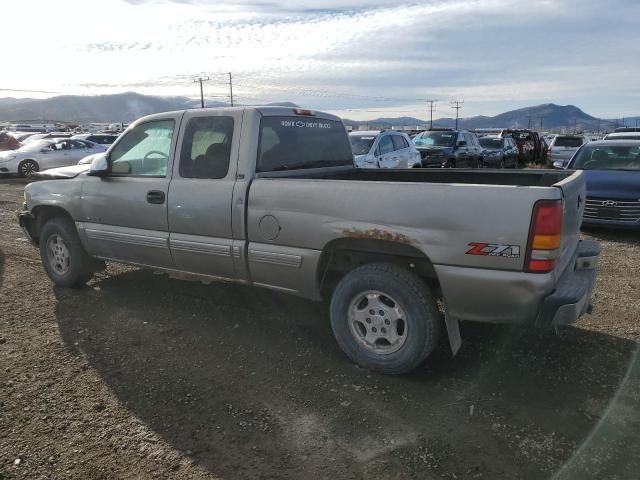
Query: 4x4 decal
x,y
494,250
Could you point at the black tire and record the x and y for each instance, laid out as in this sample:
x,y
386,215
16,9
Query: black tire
x,y
412,296
451,163
501,164
26,168
76,267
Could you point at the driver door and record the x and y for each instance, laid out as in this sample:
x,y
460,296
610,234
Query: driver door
x,y
125,212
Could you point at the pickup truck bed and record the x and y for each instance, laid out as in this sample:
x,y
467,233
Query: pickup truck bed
x,y
512,178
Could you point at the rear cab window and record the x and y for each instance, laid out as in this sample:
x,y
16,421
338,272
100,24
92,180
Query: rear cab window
x,y
296,142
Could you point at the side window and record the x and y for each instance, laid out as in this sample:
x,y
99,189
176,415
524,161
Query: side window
x,y
78,144
398,142
385,145
206,147
144,151
471,140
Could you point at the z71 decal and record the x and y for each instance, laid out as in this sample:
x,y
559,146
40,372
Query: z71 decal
x,y
494,250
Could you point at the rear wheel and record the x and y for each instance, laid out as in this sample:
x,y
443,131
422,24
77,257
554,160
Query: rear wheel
x,y
451,163
501,164
63,256
26,168
384,318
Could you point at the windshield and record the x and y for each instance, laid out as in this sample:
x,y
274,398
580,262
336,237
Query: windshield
x,y
291,143
435,139
573,142
361,144
35,146
607,158
491,143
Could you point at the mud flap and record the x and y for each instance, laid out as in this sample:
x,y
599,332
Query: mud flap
x,y
453,331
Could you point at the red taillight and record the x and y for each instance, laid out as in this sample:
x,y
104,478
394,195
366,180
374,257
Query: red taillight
x,y
302,111
545,236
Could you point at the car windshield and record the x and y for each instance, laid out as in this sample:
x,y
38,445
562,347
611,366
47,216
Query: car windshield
x,y
435,139
492,143
602,157
573,142
35,146
361,144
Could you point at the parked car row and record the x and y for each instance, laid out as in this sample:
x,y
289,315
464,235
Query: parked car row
x,y
434,148
25,153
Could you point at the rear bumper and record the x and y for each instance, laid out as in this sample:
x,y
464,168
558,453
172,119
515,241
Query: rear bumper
x,y
499,296
572,296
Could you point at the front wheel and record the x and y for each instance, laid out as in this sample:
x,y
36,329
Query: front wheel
x,y
26,168
384,318
64,259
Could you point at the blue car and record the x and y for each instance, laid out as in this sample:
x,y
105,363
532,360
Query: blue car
x,y
612,170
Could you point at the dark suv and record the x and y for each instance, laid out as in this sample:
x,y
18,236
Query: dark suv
x,y
448,149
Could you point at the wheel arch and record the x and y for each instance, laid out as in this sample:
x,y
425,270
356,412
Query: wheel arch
x,y
41,214
342,255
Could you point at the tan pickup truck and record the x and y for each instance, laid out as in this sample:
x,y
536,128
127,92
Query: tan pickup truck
x,y
269,196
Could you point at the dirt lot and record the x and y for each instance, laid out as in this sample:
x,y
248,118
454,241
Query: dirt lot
x,y
141,376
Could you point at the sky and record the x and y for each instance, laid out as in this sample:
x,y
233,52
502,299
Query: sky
x,y
358,59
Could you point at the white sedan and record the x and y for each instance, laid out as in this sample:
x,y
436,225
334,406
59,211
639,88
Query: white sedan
x,y
44,154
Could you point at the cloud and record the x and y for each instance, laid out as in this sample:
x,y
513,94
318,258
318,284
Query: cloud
x,y
355,56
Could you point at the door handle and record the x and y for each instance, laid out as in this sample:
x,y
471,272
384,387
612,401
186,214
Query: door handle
x,y
155,196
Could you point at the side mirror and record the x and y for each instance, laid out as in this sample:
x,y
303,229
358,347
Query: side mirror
x,y
558,164
99,166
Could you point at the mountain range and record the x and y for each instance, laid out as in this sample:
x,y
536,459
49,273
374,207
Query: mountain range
x,y
126,107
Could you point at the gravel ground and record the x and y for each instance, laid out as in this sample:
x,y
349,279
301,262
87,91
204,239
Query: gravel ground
x,y
142,376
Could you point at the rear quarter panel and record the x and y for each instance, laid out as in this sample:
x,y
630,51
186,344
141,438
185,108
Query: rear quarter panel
x,y
441,220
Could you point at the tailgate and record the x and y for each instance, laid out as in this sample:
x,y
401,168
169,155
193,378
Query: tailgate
x,y
574,192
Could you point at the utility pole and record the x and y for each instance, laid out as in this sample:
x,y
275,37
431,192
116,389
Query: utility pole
x,y
575,125
637,122
200,80
540,123
431,104
598,126
456,104
230,88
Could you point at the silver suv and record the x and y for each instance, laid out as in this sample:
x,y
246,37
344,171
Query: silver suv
x,y
563,147
383,149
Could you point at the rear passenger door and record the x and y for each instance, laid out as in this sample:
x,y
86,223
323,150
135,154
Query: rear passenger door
x,y
386,152
201,192
401,148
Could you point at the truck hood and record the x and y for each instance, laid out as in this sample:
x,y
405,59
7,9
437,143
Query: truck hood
x,y
615,184
62,172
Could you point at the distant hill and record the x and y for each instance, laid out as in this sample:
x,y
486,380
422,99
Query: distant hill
x,y
547,116
126,107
